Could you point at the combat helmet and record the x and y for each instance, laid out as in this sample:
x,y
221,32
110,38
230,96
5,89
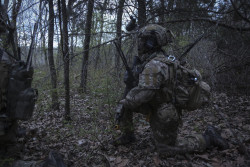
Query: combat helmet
x,y
152,37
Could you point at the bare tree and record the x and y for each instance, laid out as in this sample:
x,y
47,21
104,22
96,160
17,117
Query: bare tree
x,y
43,41
65,51
119,32
103,8
55,104
141,13
13,35
162,9
84,71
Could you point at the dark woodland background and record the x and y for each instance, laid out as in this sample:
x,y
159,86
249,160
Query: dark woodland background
x,y
79,74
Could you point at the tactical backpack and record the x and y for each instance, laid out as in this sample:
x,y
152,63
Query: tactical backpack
x,y
185,86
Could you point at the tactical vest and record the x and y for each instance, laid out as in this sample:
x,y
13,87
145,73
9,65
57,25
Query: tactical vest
x,y
184,87
17,98
21,97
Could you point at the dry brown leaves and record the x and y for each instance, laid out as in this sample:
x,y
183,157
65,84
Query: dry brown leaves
x,y
85,140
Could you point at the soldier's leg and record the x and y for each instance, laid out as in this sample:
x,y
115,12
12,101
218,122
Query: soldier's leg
x,y
192,143
196,143
164,123
127,129
126,124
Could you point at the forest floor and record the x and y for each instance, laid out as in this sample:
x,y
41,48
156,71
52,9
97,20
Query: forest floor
x,y
84,141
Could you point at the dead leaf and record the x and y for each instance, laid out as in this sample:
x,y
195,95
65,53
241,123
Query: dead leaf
x,y
111,159
123,163
157,160
204,157
227,133
118,160
82,142
216,162
240,161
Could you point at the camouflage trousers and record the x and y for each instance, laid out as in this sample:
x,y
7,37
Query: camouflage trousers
x,y
164,122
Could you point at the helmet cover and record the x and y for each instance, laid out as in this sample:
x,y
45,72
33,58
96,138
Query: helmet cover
x,y
155,30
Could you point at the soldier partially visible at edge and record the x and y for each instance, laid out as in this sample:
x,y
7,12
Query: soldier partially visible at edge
x,y
164,89
5,61
17,98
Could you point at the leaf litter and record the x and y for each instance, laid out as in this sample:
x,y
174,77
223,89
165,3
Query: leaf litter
x,y
84,141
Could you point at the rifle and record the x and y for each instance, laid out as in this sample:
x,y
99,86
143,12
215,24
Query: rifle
x,y
130,82
129,76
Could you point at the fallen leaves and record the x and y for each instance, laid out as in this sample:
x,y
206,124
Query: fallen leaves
x,y
84,140
120,162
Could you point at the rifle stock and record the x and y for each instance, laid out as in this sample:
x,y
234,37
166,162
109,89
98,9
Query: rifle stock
x,y
129,81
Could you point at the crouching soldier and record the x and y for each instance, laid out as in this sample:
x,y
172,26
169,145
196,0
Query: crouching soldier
x,y
164,89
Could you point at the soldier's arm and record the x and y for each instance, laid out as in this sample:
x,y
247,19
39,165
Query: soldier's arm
x,y
150,81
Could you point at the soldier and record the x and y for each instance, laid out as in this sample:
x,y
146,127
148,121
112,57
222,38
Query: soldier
x,y
17,98
164,89
5,63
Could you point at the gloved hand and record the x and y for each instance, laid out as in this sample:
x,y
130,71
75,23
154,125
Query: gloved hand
x,y
128,79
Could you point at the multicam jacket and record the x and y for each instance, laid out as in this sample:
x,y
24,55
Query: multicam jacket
x,y
151,79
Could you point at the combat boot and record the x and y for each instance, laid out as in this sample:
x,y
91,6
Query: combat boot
x,y
214,139
124,139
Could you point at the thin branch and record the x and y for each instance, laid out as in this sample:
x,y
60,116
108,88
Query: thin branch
x,y
238,12
209,21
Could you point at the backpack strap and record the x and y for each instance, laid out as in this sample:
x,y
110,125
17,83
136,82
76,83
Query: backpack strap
x,y
173,65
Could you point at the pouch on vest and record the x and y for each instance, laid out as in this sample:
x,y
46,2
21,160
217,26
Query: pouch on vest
x,y
188,90
25,104
21,98
191,92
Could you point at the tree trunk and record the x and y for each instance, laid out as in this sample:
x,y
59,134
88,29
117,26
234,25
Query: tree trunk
x,y
151,11
83,84
72,41
59,48
65,51
43,34
55,104
13,34
101,30
73,27
119,32
162,10
141,13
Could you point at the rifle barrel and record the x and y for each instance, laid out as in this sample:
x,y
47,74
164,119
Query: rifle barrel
x,y
121,54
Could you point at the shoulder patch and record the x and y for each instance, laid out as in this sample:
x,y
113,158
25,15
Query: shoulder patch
x,y
152,67
152,75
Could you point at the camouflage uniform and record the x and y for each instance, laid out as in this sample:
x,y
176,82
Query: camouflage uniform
x,y
17,98
149,98
5,122
164,88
